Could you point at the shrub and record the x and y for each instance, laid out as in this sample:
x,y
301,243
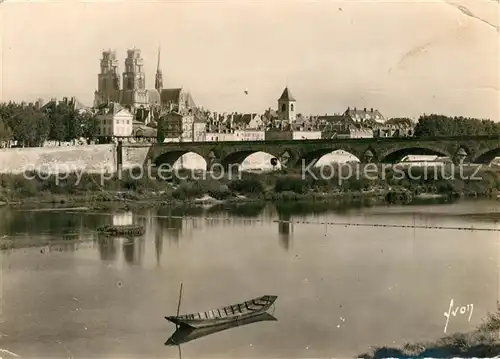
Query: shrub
x,y
188,190
285,196
221,193
291,184
444,186
356,184
26,188
129,183
322,185
246,186
179,175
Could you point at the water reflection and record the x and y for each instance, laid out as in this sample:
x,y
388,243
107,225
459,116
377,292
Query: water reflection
x,y
40,222
170,223
133,250
108,250
252,209
123,219
186,334
64,247
285,229
158,244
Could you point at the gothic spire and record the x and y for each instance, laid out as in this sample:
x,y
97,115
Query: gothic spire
x,y
158,63
159,76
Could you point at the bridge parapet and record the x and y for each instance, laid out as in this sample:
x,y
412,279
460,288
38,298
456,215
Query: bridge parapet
x,y
478,149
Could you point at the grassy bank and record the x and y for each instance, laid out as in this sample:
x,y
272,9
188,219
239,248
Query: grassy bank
x,y
483,342
285,186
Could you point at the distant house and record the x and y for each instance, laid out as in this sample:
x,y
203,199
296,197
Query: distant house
x,y
385,130
364,116
255,122
171,125
114,120
199,129
354,132
249,135
305,124
177,100
220,137
72,103
269,118
182,127
354,123
249,121
331,125
141,130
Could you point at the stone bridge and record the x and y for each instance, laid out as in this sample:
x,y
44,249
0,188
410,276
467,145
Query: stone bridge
x,y
294,153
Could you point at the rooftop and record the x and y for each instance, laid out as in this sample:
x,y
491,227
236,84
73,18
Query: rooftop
x,y
286,95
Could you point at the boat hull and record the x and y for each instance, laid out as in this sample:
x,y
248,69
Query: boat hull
x,y
203,323
225,315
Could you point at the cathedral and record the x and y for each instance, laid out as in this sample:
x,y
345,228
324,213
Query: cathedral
x,y
134,95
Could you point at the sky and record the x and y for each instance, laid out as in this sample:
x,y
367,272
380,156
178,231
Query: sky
x,y
403,58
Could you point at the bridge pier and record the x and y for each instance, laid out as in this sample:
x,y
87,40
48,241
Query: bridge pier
x,y
119,156
213,162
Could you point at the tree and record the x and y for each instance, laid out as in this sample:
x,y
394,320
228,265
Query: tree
x,y
60,116
5,131
404,121
74,129
30,127
86,125
439,125
58,130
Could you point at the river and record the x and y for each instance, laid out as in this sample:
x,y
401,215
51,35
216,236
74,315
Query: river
x,y
341,288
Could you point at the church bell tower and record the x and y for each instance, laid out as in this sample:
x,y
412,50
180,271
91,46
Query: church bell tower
x,y
108,80
134,92
286,107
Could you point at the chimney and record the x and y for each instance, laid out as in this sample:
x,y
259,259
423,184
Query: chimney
x,y
371,110
354,109
364,109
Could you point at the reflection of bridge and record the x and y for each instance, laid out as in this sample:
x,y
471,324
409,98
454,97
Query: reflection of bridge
x,y
293,153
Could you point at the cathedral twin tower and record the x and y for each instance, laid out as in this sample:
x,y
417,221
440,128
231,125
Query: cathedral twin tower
x,y
134,93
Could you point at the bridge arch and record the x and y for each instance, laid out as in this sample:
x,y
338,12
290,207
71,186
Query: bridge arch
x,y
236,159
395,156
487,156
172,159
316,155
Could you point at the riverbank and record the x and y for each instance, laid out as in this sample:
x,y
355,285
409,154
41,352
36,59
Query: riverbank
x,y
131,190
483,342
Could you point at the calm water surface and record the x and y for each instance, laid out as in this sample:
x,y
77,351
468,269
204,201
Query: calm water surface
x,y
341,289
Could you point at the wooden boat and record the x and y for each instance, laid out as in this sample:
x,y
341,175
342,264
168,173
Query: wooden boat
x,y
231,313
186,334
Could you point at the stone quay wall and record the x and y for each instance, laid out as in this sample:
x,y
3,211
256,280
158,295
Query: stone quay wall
x,y
91,158
134,155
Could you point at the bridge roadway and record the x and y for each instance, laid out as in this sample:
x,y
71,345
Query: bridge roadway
x,y
294,153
